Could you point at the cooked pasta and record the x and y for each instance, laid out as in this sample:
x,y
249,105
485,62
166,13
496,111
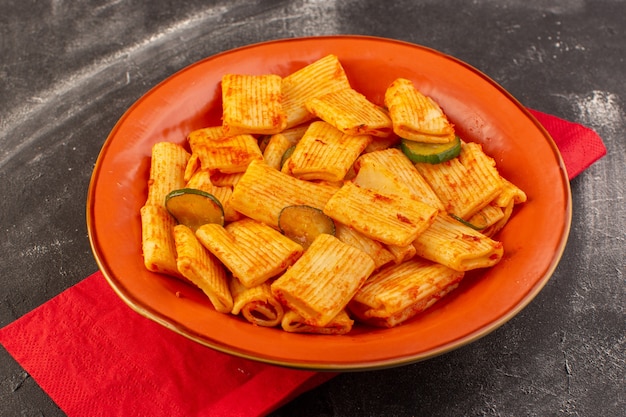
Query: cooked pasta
x,y
157,240
322,282
351,112
292,322
399,292
323,76
455,245
167,171
252,104
262,192
252,251
257,304
389,218
416,116
280,143
465,184
201,268
325,153
393,163
221,153
304,157
376,250
202,180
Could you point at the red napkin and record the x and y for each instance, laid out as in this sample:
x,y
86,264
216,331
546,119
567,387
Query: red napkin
x,y
579,146
95,357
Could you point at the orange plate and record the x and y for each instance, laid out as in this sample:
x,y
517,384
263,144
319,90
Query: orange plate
x,y
481,110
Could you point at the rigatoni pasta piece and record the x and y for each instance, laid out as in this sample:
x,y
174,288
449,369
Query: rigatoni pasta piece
x,y
375,176
220,179
262,192
157,242
279,143
199,137
318,78
193,165
494,228
387,218
455,245
167,171
202,269
383,143
510,196
398,292
465,184
377,251
416,116
252,251
402,253
226,154
325,153
486,217
351,112
252,104
293,134
398,166
257,304
510,193
292,322
320,284
276,147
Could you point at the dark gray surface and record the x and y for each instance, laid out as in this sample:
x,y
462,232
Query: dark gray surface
x,y
69,70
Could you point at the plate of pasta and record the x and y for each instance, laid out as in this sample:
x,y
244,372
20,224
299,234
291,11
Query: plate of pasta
x,y
330,203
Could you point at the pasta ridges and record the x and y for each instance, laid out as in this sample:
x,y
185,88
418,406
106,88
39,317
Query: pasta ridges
x,y
320,284
157,241
257,304
252,104
351,113
252,251
457,246
263,191
416,116
167,171
390,219
320,77
202,269
466,184
325,153
399,292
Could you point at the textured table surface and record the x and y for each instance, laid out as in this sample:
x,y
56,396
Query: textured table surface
x,y
68,71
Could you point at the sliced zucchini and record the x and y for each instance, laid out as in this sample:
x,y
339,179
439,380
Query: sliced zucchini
x,y
432,153
193,207
480,221
303,224
465,222
287,155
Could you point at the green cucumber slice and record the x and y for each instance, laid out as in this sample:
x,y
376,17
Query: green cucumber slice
x,y
287,155
431,153
193,207
465,222
303,224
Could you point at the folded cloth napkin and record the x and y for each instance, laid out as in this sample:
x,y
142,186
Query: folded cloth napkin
x,y
95,357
